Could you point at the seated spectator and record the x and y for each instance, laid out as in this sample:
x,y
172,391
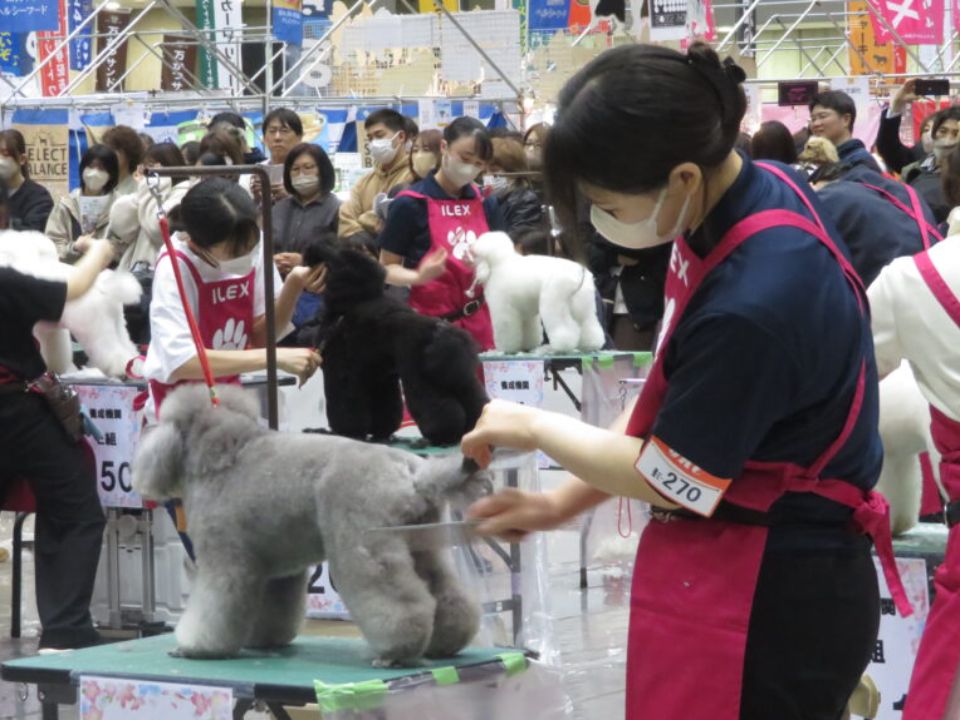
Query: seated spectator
x,y
832,116
521,205
895,154
128,146
425,154
29,203
84,214
774,141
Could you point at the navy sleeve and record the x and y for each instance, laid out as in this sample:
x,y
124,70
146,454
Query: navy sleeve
x,y
29,299
495,219
894,153
730,380
400,231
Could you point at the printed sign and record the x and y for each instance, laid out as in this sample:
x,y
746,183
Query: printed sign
x,y
47,135
858,88
323,601
519,381
668,20
867,55
288,21
548,15
111,24
29,15
103,698
179,61
81,46
679,480
111,409
14,58
56,73
916,22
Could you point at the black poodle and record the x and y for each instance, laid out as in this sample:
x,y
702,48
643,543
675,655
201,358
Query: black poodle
x,y
372,343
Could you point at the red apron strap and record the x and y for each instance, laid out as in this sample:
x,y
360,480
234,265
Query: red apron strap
x,y
830,453
938,286
198,281
914,211
413,194
796,188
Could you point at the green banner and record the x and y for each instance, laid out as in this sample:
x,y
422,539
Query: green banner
x,y
208,63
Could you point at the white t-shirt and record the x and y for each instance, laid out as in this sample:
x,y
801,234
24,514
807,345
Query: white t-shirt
x,y
909,323
171,344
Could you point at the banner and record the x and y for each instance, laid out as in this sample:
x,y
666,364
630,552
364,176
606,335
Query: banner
x,y
179,61
46,133
668,20
955,14
288,21
56,73
29,15
208,63
917,22
81,46
111,24
868,56
14,58
700,23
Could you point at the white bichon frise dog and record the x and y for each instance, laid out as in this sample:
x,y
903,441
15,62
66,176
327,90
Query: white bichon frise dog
x,y
95,319
905,432
263,506
523,290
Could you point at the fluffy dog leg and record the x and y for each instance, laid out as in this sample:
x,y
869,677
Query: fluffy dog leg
x,y
216,623
457,619
507,327
282,612
532,332
585,313
388,600
563,332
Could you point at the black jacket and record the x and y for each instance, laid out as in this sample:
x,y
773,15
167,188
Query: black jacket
x,y
928,185
522,209
29,207
642,284
894,153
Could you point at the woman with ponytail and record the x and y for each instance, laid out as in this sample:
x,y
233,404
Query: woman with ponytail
x,y
755,436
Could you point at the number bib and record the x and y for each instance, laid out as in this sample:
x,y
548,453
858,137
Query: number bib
x,y
679,480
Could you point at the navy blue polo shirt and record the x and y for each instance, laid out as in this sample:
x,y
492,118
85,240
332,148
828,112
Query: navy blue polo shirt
x,y
854,152
764,363
407,230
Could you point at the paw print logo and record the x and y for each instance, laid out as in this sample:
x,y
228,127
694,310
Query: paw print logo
x,y
231,336
460,241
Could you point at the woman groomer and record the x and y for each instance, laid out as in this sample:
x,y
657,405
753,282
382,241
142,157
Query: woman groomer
x,y
754,593
431,226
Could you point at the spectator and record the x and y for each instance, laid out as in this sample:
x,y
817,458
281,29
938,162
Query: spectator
x,y
250,156
895,154
521,205
147,141
84,214
425,154
951,190
926,178
220,147
191,152
128,146
387,134
773,141
28,203
743,143
533,142
832,116
282,131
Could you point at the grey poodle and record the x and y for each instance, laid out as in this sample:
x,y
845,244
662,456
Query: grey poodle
x,y
262,506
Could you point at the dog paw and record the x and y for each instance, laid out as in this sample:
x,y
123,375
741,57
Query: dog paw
x,y
388,663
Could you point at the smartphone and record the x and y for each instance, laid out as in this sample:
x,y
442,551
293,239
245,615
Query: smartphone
x,y
796,92
932,88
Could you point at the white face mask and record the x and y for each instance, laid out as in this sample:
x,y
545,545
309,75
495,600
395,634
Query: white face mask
x,y
533,157
8,168
640,235
942,148
459,173
382,150
424,163
496,182
305,184
94,180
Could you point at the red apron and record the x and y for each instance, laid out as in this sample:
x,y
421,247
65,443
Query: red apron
x,y
938,659
454,226
694,580
224,314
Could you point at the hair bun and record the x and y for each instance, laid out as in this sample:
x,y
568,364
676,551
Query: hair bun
x,y
734,71
704,56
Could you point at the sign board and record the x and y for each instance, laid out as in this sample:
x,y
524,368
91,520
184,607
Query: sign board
x,y
105,698
796,92
323,601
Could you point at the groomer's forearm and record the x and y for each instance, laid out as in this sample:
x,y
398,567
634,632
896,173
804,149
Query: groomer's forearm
x,y
86,270
603,459
401,277
223,363
283,311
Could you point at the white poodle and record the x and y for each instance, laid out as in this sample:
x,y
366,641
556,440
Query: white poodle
x,y
263,506
523,290
905,431
95,319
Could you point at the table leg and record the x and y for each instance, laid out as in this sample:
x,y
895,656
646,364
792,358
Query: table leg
x,y
113,569
513,481
145,526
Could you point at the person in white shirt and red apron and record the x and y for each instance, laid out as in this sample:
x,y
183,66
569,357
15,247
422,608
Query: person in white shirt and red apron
x,y
431,225
915,305
221,263
755,436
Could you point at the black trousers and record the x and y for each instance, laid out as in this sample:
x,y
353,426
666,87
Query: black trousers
x,y
812,634
69,522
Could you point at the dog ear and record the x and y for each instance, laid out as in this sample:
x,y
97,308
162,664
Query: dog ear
x,y
158,462
322,251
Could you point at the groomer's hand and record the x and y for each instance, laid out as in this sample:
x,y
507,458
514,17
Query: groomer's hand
x,y
302,362
502,424
906,94
286,261
432,267
311,279
513,514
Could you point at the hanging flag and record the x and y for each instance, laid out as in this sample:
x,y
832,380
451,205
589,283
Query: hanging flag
x,y
208,63
110,25
867,56
81,47
955,14
700,24
179,61
223,21
14,58
56,73
547,15
917,22
30,15
288,21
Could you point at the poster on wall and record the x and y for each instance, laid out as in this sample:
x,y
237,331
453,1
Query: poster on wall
x,y
179,61
55,76
668,20
47,136
29,15
14,58
916,22
110,25
288,21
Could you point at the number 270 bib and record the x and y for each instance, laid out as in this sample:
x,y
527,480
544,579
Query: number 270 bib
x,y
679,480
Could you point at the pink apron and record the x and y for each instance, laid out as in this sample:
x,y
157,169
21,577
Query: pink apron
x,y
222,305
454,225
938,660
694,580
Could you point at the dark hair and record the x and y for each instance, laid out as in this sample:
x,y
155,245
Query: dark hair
x,y
505,133
230,118
509,155
743,144
412,129
328,176
430,140
13,140
774,141
126,140
390,119
540,130
839,102
950,113
191,152
217,210
223,144
464,127
166,154
950,180
4,213
107,158
147,140
636,112
287,118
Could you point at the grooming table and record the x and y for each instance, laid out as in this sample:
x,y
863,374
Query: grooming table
x,y
289,676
